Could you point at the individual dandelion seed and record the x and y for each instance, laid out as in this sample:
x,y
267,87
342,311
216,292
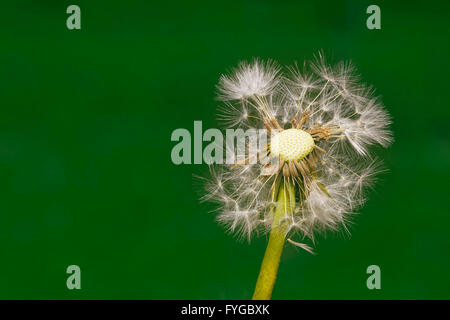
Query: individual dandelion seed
x,y
322,123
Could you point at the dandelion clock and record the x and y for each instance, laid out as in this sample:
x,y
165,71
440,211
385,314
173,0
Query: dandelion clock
x,y
311,174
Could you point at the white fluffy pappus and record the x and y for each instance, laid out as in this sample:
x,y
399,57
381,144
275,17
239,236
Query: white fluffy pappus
x,y
342,116
257,78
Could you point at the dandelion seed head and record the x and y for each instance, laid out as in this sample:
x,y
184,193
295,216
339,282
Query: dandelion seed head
x,y
327,124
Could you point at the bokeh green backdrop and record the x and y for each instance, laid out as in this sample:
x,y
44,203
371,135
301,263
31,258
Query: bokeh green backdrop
x,y
85,170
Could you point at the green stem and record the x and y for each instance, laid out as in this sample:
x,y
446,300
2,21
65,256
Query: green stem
x,y
277,238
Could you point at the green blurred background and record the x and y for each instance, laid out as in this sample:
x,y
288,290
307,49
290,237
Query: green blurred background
x,y
85,169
